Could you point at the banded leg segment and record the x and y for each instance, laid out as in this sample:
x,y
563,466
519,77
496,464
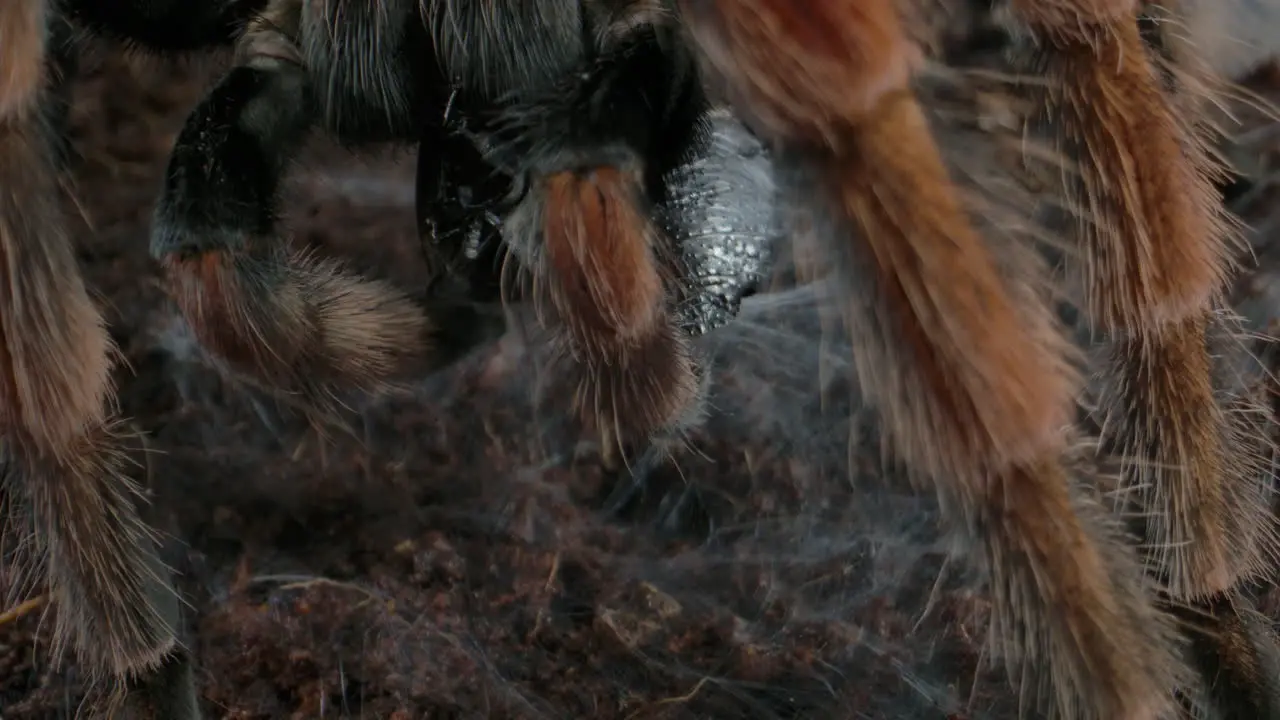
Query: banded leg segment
x,y
1156,256
593,146
297,323
967,366
1155,261
62,450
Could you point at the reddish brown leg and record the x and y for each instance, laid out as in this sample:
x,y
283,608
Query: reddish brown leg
x,y
114,606
604,283
299,324
1156,258
1156,255
965,364
587,232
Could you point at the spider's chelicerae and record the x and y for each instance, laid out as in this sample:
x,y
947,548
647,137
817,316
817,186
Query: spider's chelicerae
x,y
568,136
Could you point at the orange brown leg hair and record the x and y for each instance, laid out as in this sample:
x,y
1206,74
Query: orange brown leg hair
x,y
293,322
971,374
586,232
1156,254
1156,260
62,450
606,288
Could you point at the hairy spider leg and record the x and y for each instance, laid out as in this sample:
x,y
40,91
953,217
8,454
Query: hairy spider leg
x,y
1157,249
973,378
296,323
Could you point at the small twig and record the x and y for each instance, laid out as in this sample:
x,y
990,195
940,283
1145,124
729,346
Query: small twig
x,y
303,582
21,609
551,576
679,699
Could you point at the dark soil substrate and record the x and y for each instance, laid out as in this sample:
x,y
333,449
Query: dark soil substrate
x,y
445,557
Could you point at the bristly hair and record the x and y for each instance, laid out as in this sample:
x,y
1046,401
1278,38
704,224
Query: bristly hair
x,y
60,453
494,46
368,67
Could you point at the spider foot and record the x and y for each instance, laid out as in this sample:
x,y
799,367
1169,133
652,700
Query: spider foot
x,y
631,481
680,506
683,509
169,692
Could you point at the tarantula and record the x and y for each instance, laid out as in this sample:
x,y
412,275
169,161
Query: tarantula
x,y
578,117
